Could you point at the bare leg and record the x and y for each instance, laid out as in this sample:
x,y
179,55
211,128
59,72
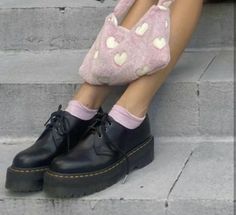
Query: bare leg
x,y
184,17
181,30
92,96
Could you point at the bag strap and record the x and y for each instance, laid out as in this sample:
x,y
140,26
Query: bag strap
x,y
165,3
122,6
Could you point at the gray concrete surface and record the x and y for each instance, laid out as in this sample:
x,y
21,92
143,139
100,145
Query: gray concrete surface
x,y
39,82
215,27
184,179
40,25
21,4
45,67
207,175
216,97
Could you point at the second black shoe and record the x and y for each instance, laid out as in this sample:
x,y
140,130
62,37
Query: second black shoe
x,y
104,157
63,131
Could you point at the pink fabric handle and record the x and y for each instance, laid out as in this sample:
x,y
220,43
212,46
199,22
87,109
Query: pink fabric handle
x,y
165,3
123,5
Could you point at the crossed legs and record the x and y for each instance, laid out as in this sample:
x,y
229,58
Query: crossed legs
x,y
139,93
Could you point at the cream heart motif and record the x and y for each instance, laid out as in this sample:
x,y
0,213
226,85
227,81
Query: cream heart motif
x,y
162,7
112,43
120,59
166,24
142,71
141,29
96,54
159,42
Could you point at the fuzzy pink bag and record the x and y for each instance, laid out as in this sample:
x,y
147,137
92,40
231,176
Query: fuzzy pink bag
x,y
119,55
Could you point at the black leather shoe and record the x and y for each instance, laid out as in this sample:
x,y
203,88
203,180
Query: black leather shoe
x,y
104,157
63,131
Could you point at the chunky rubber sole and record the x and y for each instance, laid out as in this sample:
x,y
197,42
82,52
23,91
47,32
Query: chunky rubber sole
x,y
78,185
25,180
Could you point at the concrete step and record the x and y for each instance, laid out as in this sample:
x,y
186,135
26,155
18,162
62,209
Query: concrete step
x,y
72,24
196,100
185,178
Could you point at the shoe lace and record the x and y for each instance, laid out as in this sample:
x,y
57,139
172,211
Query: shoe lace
x,y
99,128
58,123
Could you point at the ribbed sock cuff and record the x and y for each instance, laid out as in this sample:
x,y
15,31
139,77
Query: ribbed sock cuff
x,y
79,110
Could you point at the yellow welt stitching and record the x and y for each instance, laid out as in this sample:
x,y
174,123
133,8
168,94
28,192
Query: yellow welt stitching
x,y
99,172
29,170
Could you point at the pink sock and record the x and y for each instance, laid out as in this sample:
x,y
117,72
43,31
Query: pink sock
x,y
80,111
124,117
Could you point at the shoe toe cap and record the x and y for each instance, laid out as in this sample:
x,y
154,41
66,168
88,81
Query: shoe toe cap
x,y
22,160
27,159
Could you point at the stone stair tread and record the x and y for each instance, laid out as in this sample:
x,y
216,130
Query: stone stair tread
x,y
58,24
222,68
62,67
206,185
41,67
190,103
207,174
182,175
54,3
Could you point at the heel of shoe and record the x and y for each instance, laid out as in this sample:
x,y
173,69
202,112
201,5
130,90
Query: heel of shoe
x,y
144,155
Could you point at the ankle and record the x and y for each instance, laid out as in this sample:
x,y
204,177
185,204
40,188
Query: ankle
x,y
124,117
80,111
89,103
92,96
138,110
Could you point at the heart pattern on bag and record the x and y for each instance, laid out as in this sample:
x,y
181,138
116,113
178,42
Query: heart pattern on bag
x,y
141,30
166,24
159,42
121,55
142,71
95,56
162,7
111,43
120,59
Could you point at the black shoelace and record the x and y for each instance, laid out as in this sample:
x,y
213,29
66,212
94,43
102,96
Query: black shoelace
x,y
99,128
58,123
